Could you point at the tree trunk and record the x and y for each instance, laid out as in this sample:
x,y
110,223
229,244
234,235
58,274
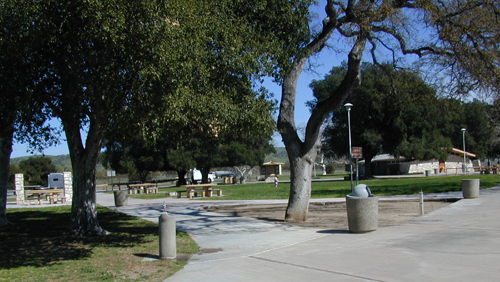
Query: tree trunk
x,y
84,162
5,151
300,187
84,207
204,174
181,176
143,176
302,154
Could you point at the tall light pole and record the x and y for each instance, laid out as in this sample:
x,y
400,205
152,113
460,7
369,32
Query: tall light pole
x,y
463,138
349,106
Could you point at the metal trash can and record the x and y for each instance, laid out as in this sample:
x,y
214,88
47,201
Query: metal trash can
x,y
121,197
362,210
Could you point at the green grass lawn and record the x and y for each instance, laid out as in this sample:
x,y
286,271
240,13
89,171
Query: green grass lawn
x,y
335,188
33,249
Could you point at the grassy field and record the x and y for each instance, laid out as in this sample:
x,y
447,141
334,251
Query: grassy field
x,y
335,188
33,249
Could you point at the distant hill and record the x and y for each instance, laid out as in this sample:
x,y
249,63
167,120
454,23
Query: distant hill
x,y
280,156
62,162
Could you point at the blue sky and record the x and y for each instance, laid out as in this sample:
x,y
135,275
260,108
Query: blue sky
x,y
323,64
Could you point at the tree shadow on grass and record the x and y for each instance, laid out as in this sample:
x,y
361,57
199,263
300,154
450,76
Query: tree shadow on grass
x,y
37,236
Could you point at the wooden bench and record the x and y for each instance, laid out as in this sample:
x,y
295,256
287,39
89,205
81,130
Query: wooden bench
x,y
195,192
150,190
191,193
206,192
219,191
37,200
56,198
134,190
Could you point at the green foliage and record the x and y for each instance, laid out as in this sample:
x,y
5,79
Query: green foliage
x,y
62,162
394,112
330,168
203,111
14,169
36,169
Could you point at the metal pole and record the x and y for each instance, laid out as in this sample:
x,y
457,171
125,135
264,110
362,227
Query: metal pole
x,y
357,172
463,137
348,106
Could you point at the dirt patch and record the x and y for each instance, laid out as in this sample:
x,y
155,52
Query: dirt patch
x,y
331,215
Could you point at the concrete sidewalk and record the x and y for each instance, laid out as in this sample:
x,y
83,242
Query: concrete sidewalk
x,y
460,242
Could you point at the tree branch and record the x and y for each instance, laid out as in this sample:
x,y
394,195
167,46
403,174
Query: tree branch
x,y
286,118
351,80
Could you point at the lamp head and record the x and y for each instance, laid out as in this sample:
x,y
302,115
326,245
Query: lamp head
x,y
348,106
463,129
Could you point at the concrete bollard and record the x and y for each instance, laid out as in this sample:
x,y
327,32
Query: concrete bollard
x,y
470,188
362,214
168,243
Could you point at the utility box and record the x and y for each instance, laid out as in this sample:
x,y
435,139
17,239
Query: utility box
x,y
55,180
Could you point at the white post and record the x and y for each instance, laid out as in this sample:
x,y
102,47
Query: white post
x,y
421,202
463,137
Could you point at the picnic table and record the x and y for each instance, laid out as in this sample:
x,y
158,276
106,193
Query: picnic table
x,y
51,195
206,190
143,188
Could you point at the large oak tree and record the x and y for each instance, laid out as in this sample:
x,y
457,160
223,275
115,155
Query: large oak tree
x,y
98,61
459,34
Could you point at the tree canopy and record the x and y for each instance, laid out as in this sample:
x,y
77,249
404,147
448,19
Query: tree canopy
x,y
103,65
438,31
394,112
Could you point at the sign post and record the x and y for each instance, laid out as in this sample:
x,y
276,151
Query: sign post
x,y
111,173
357,153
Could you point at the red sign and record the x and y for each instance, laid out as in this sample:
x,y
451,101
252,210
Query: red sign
x,y
357,152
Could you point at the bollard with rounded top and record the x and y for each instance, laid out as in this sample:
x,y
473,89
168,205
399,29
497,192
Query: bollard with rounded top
x,y
362,210
470,188
168,243
121,198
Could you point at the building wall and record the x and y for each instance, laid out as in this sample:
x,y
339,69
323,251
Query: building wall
x,y
450,167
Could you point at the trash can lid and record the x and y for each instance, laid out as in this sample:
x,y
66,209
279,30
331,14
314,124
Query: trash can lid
x,y
360,191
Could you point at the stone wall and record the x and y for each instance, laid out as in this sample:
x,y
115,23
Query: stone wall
x,y
19,184
451,167
422,167
68,186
